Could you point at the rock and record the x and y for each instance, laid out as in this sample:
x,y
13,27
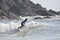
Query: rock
x,y
42,17
12,9
47,17
38,18
53,12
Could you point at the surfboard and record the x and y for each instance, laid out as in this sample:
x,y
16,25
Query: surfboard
x,y
23,29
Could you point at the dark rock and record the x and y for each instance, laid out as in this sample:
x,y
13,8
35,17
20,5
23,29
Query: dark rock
x,y
38,18
47,17
41,17
12,9
53,12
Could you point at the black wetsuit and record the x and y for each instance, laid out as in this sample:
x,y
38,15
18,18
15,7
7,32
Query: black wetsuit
x,y
23,23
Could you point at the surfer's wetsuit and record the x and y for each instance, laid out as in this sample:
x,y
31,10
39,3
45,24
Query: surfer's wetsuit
x,y
23,23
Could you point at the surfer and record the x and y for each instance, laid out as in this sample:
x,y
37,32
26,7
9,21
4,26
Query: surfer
x,y
22,23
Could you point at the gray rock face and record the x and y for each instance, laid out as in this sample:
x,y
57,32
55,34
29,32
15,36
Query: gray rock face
x,y
12,9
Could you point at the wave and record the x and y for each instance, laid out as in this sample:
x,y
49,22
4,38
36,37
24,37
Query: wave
x,y
11,27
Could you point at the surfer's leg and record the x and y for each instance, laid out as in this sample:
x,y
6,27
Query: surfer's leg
x,y
20,27
22,24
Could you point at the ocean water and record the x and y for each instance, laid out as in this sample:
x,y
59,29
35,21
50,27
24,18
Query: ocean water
x,y
39,29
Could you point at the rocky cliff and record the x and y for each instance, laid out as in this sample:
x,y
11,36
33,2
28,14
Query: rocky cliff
x,y
12,9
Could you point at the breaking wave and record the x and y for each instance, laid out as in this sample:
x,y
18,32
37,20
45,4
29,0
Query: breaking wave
x,y
39,28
